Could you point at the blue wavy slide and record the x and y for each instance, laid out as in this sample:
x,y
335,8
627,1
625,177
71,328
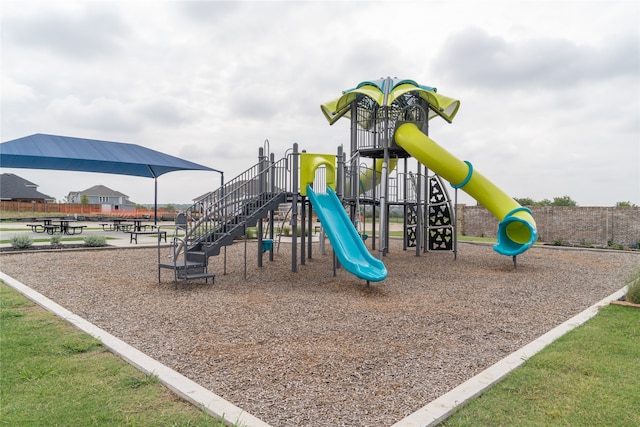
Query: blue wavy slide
x,y
347,243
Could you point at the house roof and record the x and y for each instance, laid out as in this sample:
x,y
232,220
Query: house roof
x,y
101,190
14,187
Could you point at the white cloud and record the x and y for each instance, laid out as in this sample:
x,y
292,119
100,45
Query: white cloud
x,y
549,89
475,58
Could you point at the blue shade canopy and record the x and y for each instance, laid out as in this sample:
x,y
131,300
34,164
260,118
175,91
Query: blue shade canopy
x,y
41,151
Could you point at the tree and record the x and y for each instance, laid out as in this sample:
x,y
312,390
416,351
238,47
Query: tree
x,y
84,199
625,205
563,201
557,201
525,201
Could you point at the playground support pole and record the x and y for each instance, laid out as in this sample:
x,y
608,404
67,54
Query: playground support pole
x,y
455,225
419,229
310,231
353,167
303,206
340,193
427,196
373,206
273,191
259,233
340,174
373,225
384,226
294,209
245,252
405,222
261,189
384,185
335,266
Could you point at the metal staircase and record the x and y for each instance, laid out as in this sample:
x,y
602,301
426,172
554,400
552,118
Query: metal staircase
x,y
221,216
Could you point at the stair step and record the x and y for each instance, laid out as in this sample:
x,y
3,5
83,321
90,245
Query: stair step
x,y
194,276
233,226
180,265
196,256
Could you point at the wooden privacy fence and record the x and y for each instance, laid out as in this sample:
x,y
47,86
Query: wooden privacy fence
x,y
71,209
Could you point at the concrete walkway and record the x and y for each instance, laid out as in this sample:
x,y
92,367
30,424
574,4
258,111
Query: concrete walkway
x,y
114,238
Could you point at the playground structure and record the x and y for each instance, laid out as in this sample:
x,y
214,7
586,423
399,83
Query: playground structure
x,y
389,125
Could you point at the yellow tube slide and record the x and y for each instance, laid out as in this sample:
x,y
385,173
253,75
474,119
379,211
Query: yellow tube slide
x,y
366,177
517,229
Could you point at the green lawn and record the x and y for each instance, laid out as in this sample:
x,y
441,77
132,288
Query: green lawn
x,y
588,377
55,375
64,239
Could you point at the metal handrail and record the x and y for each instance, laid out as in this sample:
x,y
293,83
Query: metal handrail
x,y
221,211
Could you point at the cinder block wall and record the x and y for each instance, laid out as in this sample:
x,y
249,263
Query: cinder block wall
x,y
572,224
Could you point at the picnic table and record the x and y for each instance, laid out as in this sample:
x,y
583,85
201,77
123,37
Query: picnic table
x,y
124,224
133,234
54,225
42,226
137,224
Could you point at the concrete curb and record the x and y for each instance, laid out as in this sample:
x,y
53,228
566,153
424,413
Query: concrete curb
x,y
213,404
441,408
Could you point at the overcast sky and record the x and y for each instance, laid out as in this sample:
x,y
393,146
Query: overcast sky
x,y
549,90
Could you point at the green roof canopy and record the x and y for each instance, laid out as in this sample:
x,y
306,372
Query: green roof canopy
x,y
384,92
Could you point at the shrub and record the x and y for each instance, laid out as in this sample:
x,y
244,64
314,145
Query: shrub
x,y
56,239
21,241
95,241
585,243
286,231
299,231
633,289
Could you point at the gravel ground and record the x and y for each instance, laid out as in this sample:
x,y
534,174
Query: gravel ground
x,y
310,349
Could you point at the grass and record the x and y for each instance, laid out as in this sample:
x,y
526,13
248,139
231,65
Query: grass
x,y
64,239
56,375
28,230
461,238
633,287
588,377
60,376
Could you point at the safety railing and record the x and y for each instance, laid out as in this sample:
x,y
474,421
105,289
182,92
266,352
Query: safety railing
x,y
223,210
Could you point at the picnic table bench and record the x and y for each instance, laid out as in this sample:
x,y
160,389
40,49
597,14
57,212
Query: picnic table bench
x,y
73,229
37,228
134,234
115,225
68,230
51,228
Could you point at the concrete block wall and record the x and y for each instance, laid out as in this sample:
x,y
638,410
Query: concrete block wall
x,y
599,226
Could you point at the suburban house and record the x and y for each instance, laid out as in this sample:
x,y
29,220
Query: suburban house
x,y
110,200
16,189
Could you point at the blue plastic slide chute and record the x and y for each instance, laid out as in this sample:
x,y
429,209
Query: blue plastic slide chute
x,y
347,243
